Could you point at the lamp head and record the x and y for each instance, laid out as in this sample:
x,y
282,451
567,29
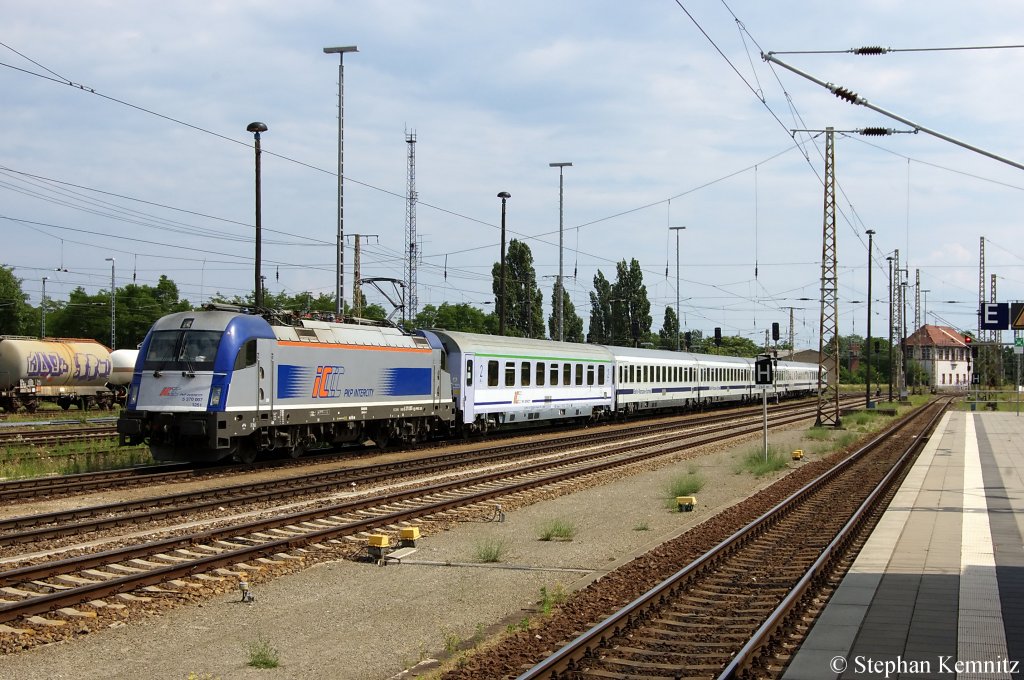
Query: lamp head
x,y
504,194
256,127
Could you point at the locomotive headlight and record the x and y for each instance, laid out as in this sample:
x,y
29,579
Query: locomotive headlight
x,y
133,395
215,396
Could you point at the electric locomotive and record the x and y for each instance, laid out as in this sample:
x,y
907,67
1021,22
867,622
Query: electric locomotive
x,y
215,384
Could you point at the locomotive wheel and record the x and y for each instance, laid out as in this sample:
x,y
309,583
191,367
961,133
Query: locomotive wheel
x,y
245,452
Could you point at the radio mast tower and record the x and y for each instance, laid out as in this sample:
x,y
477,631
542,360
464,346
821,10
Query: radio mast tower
x,y
412,304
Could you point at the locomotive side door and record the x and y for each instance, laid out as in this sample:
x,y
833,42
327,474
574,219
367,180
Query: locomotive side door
x,y
265,381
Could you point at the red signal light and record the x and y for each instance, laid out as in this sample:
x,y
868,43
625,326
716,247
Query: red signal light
x,y
968,340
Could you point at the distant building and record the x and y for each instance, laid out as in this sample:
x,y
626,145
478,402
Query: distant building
x,y
944,357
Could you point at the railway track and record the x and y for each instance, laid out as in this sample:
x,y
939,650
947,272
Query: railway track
x,y
740,609
34,437
233,549
64,485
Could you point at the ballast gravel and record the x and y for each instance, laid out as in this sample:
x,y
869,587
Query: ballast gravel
x,y
347,620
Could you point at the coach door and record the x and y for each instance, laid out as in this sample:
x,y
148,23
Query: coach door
x,y
469,379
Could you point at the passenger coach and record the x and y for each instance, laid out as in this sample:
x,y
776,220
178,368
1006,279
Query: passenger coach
x,y
502,380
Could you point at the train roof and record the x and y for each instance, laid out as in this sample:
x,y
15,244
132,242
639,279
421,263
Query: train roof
x,y
498,346
642,354
348,334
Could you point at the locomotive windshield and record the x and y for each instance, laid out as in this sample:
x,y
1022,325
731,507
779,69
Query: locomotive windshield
x,y
185,350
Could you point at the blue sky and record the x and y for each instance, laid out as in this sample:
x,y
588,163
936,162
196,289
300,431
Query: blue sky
x,y
662,129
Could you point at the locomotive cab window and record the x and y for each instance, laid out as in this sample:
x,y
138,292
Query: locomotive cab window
x,y
182,350
246,355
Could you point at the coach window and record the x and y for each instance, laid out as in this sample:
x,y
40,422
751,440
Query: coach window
x,y
540,374
510,373
492,373
524,374
579,374
566,374
590,374
600,375
469,372
246,355
553,375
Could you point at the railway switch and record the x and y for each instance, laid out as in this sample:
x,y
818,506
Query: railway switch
x,y
686,503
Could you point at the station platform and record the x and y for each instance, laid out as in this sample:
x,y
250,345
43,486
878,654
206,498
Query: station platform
x,y
938,590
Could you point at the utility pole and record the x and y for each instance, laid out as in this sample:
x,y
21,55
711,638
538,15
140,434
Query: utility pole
x,y
678,314
357,289
560,297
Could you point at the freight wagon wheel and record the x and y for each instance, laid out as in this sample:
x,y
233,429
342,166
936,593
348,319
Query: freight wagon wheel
x,y
297,451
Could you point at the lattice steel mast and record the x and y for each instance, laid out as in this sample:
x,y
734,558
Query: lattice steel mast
x,y
412,302
828,351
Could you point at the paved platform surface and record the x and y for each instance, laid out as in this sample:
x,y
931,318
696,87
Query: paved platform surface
x,y
938,591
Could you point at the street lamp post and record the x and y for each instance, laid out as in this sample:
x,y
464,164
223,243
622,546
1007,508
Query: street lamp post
x,y
42,311
678,316
504,196
560,297
112,344
339,304
256,128
867,390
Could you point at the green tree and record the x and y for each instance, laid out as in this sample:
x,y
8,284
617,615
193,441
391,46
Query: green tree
x,y
523,307
572,324
136,308
459,317
732,345
669,333
631,309
15,313
600,332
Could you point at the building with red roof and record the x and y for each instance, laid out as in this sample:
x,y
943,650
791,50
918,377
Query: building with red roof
x,y
943,356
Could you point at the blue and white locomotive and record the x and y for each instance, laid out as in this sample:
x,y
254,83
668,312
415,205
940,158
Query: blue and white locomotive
x,y
215,384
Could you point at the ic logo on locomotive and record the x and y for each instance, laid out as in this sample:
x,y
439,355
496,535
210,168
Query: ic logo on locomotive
x,y
328,382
